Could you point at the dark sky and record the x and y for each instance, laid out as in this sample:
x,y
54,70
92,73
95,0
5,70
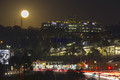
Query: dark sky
x,y
103,11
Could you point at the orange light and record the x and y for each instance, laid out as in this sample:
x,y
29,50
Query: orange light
x,y
84,64
1,41
79,64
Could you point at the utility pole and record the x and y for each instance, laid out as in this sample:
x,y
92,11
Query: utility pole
x,y
21,22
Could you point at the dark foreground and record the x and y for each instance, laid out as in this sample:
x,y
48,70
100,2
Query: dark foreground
x,y
47,75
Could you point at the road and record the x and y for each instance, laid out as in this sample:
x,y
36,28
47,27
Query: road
x,y
104,75
101,75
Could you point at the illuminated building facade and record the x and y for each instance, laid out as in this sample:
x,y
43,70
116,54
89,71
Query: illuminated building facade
x,y
74,26
74,32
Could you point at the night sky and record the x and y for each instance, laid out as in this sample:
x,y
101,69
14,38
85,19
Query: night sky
x,y
103,11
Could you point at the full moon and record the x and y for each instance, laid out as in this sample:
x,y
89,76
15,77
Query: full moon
x,y
24,13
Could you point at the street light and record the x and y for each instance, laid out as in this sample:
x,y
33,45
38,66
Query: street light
x,y
24,14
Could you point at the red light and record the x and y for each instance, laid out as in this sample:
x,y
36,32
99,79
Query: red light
x,y
96,68
84,64
50,69
109,68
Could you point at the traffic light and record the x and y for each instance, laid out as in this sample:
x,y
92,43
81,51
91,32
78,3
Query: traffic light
x,y
84,64
109,67
96,68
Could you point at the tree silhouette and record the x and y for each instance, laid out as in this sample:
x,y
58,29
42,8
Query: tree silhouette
x,y
94,55
2,70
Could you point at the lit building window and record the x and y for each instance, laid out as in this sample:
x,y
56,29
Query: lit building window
x,y
54,23
85,23
93,23
73,28
83,28
92,31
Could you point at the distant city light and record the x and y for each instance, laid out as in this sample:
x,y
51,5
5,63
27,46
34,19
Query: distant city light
x,y
54,23
93,23
73,42
85,23
61,24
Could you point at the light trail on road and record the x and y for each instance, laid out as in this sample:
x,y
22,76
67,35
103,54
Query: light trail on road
x,y
104,75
